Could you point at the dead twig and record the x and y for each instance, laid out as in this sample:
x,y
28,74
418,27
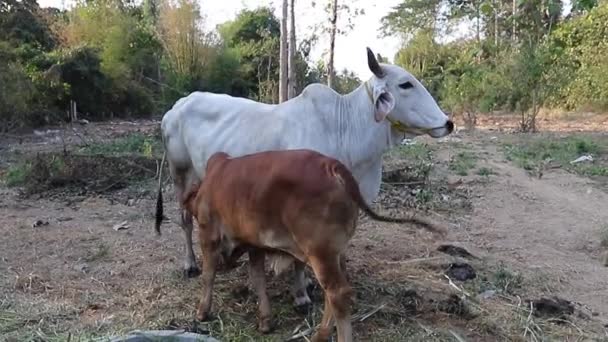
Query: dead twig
x,y
122,179
363,317
84,141
456,336
405,183
355,318
413,261
140,167
451,283
528,323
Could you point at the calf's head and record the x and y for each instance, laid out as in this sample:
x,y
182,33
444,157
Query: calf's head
x,y
400,98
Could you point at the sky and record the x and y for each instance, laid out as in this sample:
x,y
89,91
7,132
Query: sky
x,y
350,48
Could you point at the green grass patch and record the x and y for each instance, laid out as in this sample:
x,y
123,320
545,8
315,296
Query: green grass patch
x,y
531,155
506,281
462,163
102,253
416,152
419,159
17,174
485,171
137,143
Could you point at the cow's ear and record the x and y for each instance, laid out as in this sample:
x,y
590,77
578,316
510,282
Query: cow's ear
x,y
384,102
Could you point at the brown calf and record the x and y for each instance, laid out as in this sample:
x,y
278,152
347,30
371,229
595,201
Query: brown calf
x,y
294,203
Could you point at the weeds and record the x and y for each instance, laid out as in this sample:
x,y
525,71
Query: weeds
x,y
79,173
140,144
462,163
414,152
506,281
530,155
102,253
17,174
485,172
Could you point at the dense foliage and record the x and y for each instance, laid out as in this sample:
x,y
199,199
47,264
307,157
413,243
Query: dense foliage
x,y
130,58
121,58
522,55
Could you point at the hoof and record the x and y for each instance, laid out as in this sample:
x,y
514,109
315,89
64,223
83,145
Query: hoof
x,y
310,285
264,325
203,316
192,272
303,309
322,335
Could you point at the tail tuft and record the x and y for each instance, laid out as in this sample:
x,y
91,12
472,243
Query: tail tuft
x,y
159,211
159,197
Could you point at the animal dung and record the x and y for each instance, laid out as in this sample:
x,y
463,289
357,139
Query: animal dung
x,y
40,223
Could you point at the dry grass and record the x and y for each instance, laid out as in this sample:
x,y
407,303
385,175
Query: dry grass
x,y
79,279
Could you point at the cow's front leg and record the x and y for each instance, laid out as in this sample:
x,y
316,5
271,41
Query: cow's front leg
x,y
257,277
191,269
301,282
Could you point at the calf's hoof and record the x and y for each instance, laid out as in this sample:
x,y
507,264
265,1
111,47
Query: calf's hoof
x,y
264,325
203,316
192,272
322,335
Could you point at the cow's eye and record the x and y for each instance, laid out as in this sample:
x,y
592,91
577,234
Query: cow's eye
x,y
406,85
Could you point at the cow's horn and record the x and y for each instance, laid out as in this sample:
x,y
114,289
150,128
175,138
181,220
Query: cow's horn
x,y
372,62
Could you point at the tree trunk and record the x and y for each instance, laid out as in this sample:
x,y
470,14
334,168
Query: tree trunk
x,y
331,74
495,6
478,21
283,56
514,33
291,82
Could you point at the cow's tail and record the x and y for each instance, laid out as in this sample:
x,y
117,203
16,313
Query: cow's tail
x,y
159,197
351,186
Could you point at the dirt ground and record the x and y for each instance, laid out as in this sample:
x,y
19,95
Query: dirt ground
x,y
78,278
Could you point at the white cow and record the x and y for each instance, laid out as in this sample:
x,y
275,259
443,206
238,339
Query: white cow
x,y
356,128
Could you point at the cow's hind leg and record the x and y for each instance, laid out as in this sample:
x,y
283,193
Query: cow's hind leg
x,y
191,268
183,180
301,281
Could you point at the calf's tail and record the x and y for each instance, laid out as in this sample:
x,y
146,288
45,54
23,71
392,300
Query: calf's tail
x,y
159,197
344,176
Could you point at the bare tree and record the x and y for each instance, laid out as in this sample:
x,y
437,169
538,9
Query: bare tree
x,y
291,82
283,55
331,73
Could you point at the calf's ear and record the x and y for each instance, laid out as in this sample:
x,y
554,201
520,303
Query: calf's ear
x,y
384,102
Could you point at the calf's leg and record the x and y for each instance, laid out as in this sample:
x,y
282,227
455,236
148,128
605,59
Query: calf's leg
x,y
210,250
257,277
329,272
